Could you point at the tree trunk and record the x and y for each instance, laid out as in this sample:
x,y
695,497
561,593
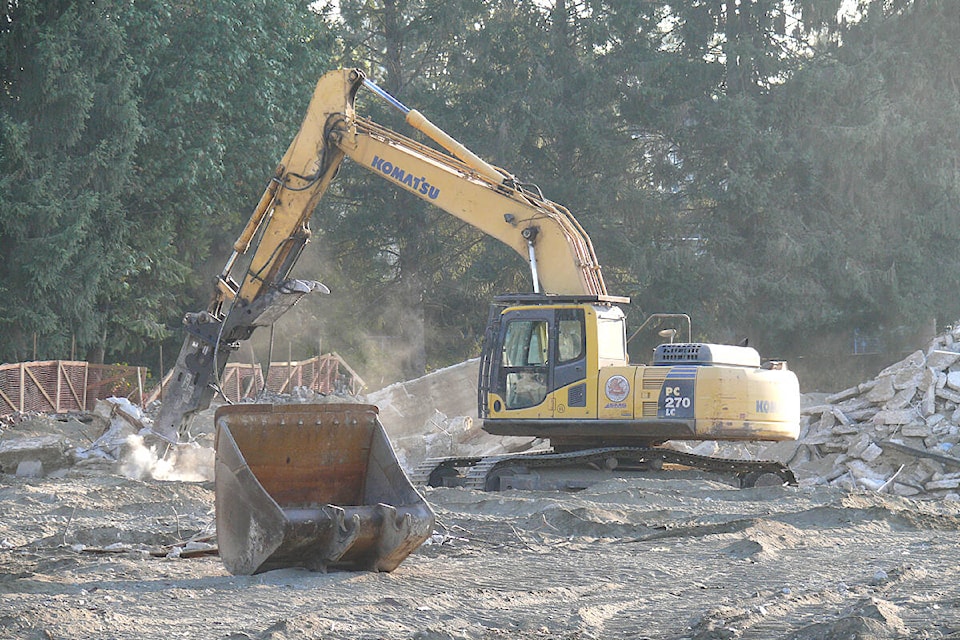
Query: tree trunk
x,y
410,222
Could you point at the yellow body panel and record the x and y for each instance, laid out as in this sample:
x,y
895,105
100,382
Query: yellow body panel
x,y
617,393
724,402
719,402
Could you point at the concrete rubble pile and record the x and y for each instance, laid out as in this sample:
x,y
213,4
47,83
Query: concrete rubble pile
x,y
114,437
897,433
435,416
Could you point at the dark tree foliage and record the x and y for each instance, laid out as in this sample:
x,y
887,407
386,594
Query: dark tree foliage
x,y
878,131
223,88
783,147
771,168
716,236
134,139
69,127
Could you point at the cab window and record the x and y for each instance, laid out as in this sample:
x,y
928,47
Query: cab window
x,y
525,344
611,340
525,349
570,340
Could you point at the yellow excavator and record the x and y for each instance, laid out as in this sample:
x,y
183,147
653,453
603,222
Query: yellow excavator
x,y
553,364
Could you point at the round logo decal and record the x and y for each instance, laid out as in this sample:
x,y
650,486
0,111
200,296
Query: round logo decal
x,y
617,388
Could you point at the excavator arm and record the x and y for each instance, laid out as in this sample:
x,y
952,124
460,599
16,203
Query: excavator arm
x,y
254,287
488,198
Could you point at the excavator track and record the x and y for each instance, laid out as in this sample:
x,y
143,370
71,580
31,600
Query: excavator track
x,y
523,471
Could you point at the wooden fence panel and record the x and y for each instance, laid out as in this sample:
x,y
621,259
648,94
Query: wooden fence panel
x,y
62,386
241,380
324,374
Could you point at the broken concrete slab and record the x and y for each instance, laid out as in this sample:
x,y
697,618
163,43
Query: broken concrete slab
x,y
915,360
953,380
840,396
49,451
881,392
939,359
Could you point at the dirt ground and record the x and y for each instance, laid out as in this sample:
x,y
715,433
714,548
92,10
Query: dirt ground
x,y
96,554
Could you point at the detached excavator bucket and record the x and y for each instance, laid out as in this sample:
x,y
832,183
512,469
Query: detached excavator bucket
x,y
314,486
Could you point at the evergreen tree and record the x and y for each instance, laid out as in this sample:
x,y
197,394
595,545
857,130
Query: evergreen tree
x,y
717,236
878,131
223,88
391,247
136,138
69,127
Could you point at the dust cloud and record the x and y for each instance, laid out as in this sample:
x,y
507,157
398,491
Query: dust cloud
x,y
183,463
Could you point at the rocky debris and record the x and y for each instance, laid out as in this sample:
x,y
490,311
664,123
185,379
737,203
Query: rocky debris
x,y
435,416
114,437
301,395
37,445
897,433
405,407
460,436
33,457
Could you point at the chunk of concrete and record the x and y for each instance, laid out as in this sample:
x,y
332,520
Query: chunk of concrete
x,y
901,399
941,485
908,378
953,380
949,394
915,430
846,394
30,469
882,391
871,453
896,416
914,361
49,450
939,359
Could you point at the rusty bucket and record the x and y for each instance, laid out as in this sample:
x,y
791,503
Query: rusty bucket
x,y
313,486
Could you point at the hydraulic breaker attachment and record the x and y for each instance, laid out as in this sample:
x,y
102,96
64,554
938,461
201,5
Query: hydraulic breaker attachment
x,y
312,486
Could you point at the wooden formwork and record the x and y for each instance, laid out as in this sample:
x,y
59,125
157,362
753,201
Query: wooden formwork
x,y
62,386
324,374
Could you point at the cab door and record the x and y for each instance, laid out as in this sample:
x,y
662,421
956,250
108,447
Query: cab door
x,y
570,368
525,377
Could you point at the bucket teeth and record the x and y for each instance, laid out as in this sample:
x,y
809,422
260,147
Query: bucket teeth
x,y
346,533
398,530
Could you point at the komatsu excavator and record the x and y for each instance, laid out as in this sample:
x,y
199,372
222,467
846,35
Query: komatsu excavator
x,y
553,364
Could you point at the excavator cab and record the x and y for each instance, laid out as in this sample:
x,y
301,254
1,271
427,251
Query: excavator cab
x,y
538,352
556,367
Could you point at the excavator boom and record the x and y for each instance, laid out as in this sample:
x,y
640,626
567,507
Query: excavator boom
x,y
256,292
